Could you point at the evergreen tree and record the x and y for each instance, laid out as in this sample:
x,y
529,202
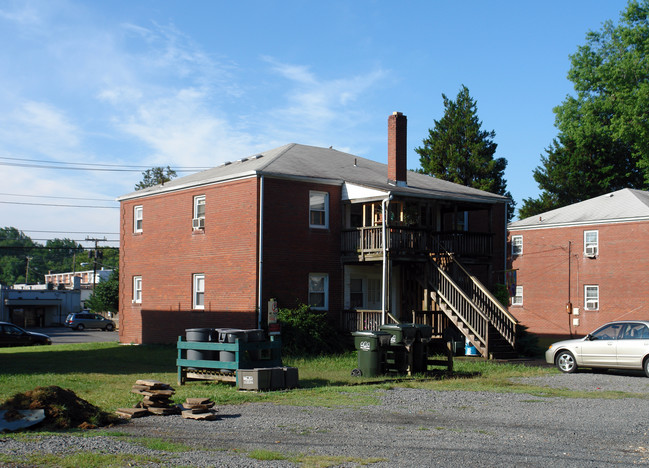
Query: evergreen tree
x,y
458,150
603,141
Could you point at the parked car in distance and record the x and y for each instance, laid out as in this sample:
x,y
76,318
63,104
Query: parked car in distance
x,y
86,319
13,335
616,345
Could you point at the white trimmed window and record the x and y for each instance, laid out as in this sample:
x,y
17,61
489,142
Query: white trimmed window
x,y
198,221
591,297
137,289
319,210
319,291
517,245
591,243
517,300
138,213
199,291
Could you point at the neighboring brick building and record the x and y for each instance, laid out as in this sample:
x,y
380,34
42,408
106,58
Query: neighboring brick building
x,y
587,258
301,224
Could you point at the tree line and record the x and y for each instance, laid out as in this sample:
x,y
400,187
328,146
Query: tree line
x,y
23,260
602,143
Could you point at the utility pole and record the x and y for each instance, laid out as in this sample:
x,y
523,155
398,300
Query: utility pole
x,y
27,270
94,258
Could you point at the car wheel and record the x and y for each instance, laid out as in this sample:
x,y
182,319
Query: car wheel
x,y
565,362
109,327
80,327
645,365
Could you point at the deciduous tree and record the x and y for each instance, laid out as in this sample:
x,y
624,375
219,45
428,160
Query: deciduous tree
x,y
603,141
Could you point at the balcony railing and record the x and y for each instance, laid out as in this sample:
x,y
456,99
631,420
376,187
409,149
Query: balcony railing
x,y
368,241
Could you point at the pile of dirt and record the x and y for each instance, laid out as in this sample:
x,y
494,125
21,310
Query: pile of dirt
x,y
63,408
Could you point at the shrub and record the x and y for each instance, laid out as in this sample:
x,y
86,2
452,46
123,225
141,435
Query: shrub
x,y
308,332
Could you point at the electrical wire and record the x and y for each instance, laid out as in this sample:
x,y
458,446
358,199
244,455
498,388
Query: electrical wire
x,y
89,166
59,205
52,196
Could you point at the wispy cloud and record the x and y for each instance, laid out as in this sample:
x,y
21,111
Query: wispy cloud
x,y
316,107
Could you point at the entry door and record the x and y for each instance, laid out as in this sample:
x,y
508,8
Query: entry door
x,y
601,349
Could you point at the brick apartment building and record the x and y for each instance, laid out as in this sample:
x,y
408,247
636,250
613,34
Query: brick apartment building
x,y
300,224
581,266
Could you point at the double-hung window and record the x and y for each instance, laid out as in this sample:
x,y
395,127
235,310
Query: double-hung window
x,y
319,291
137,290
517,299
517,245
137,218
591,243
199,291
319,210
356,296
198,221
591,297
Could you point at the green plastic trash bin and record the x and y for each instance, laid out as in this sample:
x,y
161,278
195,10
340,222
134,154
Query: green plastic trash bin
x,y
370,346
403,334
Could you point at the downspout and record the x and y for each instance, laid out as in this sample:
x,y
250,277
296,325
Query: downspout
x,y
385,257
261,251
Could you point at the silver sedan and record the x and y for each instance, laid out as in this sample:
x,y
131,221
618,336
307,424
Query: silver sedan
x,y
616,345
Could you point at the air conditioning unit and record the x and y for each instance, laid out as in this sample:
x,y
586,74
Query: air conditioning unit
x,y
591,251
198,223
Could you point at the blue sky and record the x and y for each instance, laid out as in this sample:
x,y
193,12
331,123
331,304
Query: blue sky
x,y
197,83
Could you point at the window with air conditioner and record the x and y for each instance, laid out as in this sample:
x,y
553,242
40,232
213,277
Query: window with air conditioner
x,y
591,243
517,245
198,221
198,301
138,213
591,297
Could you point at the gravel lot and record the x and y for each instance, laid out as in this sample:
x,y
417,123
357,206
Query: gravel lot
x,y
410,428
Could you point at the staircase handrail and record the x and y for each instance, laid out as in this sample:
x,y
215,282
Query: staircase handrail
x,y
481,336
486,292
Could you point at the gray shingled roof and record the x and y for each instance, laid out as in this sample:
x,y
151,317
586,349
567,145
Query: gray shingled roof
x,y
324,164
622,206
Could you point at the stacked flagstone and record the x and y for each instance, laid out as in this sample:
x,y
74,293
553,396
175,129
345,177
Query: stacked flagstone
x,y
199,408
156,400
156,397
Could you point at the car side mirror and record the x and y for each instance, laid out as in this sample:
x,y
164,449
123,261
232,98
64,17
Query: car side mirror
x,y
590,337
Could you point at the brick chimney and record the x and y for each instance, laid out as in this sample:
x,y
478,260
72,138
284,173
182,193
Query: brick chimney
x,y
397,148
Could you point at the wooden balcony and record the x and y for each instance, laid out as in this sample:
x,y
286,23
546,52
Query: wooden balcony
x,y
367,243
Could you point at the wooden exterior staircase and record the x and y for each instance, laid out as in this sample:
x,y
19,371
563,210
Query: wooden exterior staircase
x,y
476,313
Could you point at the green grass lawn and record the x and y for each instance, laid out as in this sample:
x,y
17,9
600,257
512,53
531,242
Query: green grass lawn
x,y
103,373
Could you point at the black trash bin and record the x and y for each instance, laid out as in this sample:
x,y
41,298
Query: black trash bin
x,y
199,335
230,335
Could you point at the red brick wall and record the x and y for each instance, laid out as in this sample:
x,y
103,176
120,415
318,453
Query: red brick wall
x,y
620,270
168,252
292,250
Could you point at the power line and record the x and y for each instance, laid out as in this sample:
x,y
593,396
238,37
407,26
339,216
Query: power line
x,y
52,196
44,247
68,232
59,205
88,166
